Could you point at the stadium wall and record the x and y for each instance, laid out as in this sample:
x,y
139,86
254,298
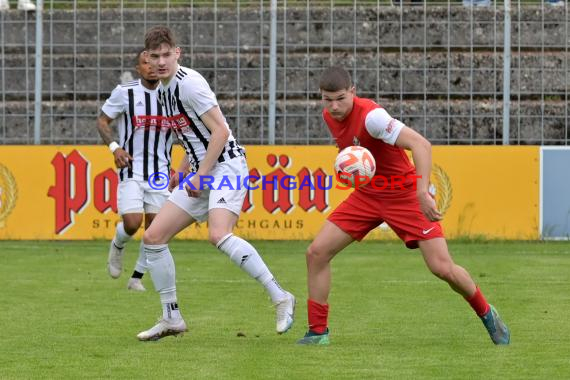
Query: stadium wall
x,y
69,192
437,68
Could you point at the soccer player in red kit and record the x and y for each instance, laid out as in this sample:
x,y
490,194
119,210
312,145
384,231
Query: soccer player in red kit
x,y
408,209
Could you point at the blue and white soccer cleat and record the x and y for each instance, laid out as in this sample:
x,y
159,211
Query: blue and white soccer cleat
x,y
497,329
312,338
285,313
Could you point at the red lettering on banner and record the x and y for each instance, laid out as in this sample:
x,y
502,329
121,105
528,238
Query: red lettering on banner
x,y
315,195
71,190
278,188
276,195
105,191
254,178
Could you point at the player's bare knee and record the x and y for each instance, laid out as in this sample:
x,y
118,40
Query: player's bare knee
x,y
316,254
215,236
132,222
131,228
151,237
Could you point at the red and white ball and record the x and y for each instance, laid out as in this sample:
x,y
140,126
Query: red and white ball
x,y
355,164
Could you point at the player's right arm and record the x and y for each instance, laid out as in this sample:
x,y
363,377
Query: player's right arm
x,y
114,107
184,168
381,125
421,152
200,97
121,157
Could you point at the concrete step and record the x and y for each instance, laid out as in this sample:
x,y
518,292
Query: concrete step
x,y
300,122
85,30
91,76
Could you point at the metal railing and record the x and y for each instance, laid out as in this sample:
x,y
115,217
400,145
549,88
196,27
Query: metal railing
x,y
438,66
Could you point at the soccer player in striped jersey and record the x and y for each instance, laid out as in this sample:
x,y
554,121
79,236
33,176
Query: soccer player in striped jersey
x,y
143,149
212,152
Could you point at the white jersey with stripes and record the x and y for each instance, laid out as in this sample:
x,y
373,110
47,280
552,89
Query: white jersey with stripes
x,y
185,99
139,116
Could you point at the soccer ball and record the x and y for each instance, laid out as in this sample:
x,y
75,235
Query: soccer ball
x,y
355,166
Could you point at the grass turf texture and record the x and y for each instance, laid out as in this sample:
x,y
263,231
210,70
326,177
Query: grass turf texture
x,y
63,317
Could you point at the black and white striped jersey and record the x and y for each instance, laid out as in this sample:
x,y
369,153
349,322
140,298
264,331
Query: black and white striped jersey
x,y
185,99
140,119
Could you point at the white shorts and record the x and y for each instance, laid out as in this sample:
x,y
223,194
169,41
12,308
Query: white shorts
x,y
135,197
229,196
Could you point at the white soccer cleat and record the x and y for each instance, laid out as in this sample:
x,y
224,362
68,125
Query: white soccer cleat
x,y
26,5
285,311
136,285
164,327
115,260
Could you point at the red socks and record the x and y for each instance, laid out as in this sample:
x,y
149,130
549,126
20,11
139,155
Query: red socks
x,y
478,303
318,315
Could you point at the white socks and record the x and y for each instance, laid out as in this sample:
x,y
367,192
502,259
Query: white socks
x,y
141,265
246,257
121,237
163,274
170,311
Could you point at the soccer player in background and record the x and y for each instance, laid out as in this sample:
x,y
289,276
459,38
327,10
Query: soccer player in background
x,y
212,153
411,212
143,149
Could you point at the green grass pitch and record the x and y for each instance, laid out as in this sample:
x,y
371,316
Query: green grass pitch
x,y
63,317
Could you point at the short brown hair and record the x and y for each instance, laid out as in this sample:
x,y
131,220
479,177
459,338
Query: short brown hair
x,y
157,36
335,78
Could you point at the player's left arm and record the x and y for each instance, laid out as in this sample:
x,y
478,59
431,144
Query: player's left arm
x,y
381,125
215,122
202,99
219,133
421,153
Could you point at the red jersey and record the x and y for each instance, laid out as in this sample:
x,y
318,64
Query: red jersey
x,y
392,163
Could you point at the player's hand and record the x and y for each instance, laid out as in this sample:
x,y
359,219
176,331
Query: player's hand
x,y
196,182
428,207
174,181
122,158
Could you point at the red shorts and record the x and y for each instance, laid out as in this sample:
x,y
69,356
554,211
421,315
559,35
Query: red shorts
x,y
361,212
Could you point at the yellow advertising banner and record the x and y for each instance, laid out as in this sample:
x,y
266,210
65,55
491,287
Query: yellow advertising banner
x,y
69,192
